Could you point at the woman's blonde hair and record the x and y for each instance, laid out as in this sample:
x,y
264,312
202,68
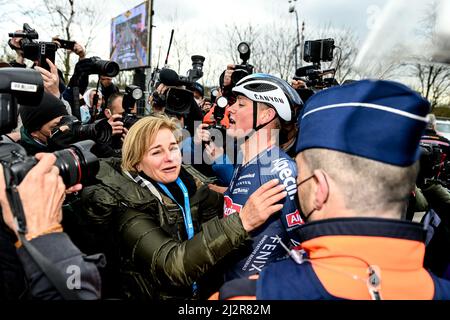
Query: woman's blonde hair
x,y
140,136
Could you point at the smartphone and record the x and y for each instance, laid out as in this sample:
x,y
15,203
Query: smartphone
x,y
46,50
66,44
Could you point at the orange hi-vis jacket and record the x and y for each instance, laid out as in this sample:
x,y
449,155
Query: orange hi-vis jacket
x,y
209,117
340,254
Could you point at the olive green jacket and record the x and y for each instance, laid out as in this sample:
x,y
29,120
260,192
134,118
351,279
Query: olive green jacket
x,y
157,260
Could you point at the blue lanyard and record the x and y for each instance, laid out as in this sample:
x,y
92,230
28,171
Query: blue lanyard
x,y
187,208
186,214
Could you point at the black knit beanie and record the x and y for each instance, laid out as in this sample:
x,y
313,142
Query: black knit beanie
x,y
34,117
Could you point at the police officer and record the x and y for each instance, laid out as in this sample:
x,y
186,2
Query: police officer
x,y
358,156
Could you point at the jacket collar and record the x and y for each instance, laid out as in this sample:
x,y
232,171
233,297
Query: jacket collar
x,y
26,138
370,239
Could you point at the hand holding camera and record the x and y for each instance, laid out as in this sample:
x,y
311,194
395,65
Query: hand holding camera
x,y
32,50
15,44
202,134
42,193
228,75
51,78
71,46
298,84
116,124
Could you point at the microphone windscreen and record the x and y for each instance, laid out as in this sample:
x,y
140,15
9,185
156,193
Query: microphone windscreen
x,y
169,77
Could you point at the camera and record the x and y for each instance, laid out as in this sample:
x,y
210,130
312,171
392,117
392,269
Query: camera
x,y
25,86
240,70
95,65
317,51
36,51
219,113
177,102
17,85
315,78
132,95
243,69
196,72
129,119
76,164
65,44
100,131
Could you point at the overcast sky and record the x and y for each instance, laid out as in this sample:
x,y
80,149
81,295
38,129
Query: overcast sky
x,y
201,18
199,22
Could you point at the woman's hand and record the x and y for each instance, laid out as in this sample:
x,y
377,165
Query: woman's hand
x,y
262,204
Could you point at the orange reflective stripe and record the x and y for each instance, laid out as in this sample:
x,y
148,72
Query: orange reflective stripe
x,y
226,120
214,296
401,263
209,117
243,298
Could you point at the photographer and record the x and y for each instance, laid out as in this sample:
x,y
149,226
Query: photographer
x,y
79,81
433,183
53,77
114,113
38,123
88,111
42,193
107,87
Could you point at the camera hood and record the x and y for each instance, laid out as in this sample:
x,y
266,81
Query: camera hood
x,y
25,85
178,101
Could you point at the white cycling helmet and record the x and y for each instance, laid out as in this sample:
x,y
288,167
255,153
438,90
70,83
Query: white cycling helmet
x,y
273,91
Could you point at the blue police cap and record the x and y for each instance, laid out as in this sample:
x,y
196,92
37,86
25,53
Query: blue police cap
x,y
374,119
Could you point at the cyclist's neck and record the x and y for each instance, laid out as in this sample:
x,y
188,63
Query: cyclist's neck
x,y
257,143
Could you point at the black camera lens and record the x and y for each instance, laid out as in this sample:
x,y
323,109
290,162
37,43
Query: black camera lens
x,y
110,69
100,131
102,67
77,164
8,113
128,120
178,101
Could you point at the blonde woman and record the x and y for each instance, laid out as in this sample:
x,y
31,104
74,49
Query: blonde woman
x,y
171,234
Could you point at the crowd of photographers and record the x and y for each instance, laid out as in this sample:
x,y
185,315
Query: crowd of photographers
x,y
102,199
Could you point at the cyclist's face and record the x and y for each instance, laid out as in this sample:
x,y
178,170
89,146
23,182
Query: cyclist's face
x,y
241,117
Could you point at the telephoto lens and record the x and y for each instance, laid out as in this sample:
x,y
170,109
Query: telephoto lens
x,y
103,67
100,131
77,164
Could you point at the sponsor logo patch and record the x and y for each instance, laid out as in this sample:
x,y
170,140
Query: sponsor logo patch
x,y
294,219
229,207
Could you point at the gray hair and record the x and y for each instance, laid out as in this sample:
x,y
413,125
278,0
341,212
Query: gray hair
x,y
367,185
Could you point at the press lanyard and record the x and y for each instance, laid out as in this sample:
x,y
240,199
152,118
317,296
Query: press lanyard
x,y
187,208
186,214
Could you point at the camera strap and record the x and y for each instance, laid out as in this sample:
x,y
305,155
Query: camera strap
x,y
47,267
